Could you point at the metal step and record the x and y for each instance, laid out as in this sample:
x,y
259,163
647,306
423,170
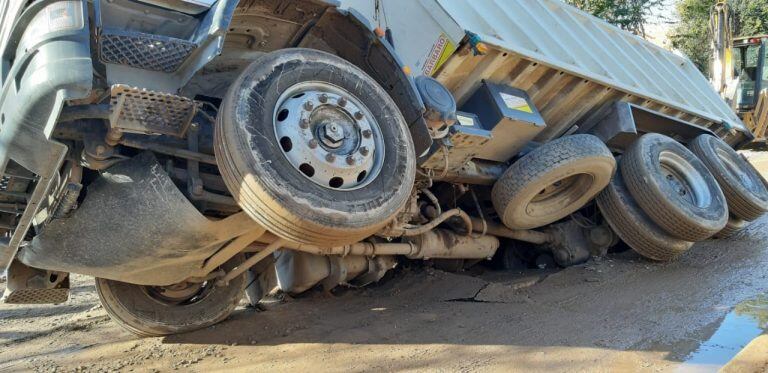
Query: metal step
x,y
36,296
136,110
27,285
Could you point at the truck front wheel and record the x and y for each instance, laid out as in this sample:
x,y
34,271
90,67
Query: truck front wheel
x,y
313,149
153,311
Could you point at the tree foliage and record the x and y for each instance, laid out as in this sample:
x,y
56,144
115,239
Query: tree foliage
x,y
691,35
629,15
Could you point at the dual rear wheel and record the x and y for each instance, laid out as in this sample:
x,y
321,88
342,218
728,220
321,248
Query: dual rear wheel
x,y
743,186
666,197
663,198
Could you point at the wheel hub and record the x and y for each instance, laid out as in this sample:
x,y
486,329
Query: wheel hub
x,y
684,179
328,135
333,135
559,193
181,293
679,185
555,188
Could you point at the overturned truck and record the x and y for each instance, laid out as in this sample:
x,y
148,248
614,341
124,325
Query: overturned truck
x,y
185,153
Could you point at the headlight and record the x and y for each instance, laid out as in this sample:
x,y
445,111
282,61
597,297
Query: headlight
x,y
59,16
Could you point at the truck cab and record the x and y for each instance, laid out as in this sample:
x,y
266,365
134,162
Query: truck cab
x,y
750,69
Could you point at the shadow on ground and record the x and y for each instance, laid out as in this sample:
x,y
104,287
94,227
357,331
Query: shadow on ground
x,y
622,302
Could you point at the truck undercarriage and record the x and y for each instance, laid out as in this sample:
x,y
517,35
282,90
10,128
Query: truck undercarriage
x,y
184,154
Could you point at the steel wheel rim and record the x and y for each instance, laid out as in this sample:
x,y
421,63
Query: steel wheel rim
x,y
684,179
560,193
184,293
328,135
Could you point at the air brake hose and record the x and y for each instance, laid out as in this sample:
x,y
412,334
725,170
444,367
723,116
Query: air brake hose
x,y
415,231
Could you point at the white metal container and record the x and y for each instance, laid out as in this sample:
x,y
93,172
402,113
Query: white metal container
x,y
570,62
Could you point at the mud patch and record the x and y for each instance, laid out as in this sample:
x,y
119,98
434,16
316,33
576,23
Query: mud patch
x,y
437,286
507,292
621,313
502,292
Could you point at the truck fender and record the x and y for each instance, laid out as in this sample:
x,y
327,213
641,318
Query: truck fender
x,y
349,35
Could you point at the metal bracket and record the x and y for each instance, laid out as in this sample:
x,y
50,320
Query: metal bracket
x,y
457,149
622,122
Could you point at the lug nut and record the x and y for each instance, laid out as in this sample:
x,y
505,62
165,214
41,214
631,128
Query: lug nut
x,y
342,102
323,98
308,105
330,157
363,150
367,134
350,160
358,115
304,123
312,144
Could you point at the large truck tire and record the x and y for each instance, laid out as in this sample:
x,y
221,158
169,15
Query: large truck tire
x,y
734,225
674,187
153,311
313,149
552,181
742,186
634,226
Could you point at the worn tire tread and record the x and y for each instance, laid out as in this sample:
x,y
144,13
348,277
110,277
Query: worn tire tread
x,y
734,226
118,309
634,227
664,212
741,201
532,167
256,197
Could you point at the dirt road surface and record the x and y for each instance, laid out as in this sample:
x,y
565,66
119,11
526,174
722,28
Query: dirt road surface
x,y
616,313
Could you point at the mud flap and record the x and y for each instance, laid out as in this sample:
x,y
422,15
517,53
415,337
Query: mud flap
x,y
133,226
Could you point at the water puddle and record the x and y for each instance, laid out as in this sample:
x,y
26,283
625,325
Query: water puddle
x,y
746,321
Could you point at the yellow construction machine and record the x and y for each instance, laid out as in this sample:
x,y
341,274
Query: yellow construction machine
x,y
739,71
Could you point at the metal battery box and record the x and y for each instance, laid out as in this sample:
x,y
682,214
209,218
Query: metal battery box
x,y
509,114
